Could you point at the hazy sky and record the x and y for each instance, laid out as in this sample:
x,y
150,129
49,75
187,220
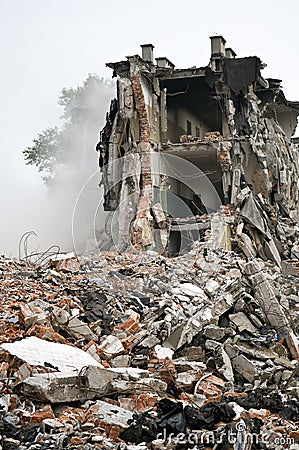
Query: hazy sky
x,y
46,45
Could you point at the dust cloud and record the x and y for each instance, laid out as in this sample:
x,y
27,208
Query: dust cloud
x,y
67,215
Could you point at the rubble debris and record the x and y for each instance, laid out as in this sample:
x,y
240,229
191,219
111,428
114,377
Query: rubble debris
x,y
55,388
67,262
265,294
193,341
62,320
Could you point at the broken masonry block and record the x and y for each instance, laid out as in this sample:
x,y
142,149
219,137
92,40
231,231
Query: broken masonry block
x,y
265,295
39,352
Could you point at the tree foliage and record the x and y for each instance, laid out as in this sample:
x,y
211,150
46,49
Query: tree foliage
x,y
83,107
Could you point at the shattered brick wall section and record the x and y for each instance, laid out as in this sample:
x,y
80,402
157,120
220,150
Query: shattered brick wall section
x,y
260,167
141,236
141,108
141,229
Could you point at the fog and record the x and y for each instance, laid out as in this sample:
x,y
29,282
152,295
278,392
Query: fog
x,y
67,214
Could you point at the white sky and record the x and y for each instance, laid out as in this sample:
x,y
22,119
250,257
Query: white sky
x,y
46,45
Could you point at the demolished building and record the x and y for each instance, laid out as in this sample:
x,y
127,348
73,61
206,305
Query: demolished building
x,y
180,144
141,351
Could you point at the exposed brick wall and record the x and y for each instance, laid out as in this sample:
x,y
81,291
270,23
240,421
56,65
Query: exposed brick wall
x,y
141,109
140,231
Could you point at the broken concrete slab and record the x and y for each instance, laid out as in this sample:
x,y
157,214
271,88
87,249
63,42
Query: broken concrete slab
x,y
242,322
61,357
245,367
264,354
214,332
265,294
226,370
140,386
111,346
185,332
111,414
92,381
120,361
189,289
56,388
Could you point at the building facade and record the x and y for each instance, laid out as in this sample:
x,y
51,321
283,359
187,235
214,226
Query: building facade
x,y
186,152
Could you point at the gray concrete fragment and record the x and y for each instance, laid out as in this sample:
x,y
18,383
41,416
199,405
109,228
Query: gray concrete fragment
x,y
222,304
220,232
72,325
193,353
226,370
245,367
112,414
150,341
263,354
265,294
242,322
97,379
211,286
120,361
137,387
38,352
111,346
189,289
214,332
56,388
92,381
186,331
231,350
130,373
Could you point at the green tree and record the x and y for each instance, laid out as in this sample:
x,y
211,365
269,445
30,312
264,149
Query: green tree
x,y
84,110
45,153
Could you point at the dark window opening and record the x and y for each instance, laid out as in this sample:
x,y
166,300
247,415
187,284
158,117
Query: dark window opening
x,y
217,65
192,107
180,241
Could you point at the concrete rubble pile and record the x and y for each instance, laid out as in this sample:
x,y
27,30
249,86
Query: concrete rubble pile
x,y
136,351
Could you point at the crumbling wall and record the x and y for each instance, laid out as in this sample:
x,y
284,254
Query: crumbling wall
x,y
260,176
259,164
